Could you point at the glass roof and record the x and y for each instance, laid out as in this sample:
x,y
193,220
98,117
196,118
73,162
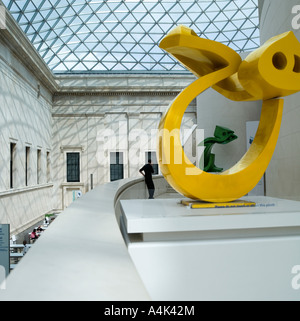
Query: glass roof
x,y
76,36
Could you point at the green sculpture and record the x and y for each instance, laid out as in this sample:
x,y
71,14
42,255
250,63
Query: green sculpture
x,y
222,135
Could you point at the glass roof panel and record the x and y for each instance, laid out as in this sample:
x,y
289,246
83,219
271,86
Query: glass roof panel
x,y
83,36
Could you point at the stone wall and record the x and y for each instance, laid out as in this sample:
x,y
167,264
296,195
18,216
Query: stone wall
x,y
25,122
97,122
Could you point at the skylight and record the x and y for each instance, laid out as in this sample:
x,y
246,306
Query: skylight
x,y
76,36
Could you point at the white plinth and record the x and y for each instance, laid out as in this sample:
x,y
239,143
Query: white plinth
x,y
216,254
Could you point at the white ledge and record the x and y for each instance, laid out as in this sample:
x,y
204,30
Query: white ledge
x,y
25,189
81,256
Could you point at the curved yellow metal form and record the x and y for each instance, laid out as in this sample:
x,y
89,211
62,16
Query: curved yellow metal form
x,y
270,72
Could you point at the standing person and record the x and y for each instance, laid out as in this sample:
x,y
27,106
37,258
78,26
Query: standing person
x,y
26,248
147,171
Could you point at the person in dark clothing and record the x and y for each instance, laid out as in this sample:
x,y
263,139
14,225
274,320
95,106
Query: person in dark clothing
x,y
147,171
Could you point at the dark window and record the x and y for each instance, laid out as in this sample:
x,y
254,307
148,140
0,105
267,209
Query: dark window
x,y
27,162
116,166
152,156
48,167
39,166
12,163
73,167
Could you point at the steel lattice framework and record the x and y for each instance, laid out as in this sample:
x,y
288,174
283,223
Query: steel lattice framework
x,y
122,36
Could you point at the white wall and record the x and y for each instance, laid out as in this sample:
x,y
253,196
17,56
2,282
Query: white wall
x,y
80,123
213,109
25,119
283,174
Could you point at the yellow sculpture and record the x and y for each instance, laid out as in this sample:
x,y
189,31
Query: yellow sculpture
x,y
270,72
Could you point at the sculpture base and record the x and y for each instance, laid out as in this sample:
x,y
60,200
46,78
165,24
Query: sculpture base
x,y
241,253
200,204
